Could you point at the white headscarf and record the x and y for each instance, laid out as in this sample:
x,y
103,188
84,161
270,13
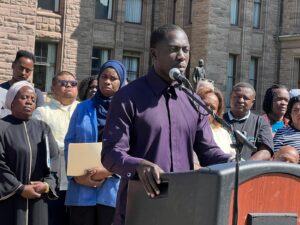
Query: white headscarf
x,y
13,91
294,92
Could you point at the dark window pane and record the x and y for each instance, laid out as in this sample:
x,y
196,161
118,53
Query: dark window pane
x,y
253,71
103,9
99,57
44,67
41,52
49,4
231,74
234,12
256,14
39,78
132,66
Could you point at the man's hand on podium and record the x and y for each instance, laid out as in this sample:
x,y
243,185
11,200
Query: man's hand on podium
x,y
149,175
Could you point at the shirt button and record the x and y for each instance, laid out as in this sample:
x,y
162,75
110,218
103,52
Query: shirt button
x,y
128,174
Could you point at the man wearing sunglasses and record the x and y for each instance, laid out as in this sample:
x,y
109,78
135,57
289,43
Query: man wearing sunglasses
x,y
57,114
22,68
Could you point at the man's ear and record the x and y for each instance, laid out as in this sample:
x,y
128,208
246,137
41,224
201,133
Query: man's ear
x,y
153,53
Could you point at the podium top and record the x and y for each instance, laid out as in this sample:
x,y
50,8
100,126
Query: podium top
x,y
198,197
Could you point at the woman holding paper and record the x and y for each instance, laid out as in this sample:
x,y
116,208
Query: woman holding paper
x,y
92,197
26,148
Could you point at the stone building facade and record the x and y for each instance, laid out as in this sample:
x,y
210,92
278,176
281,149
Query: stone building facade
x,y
257,41
289,43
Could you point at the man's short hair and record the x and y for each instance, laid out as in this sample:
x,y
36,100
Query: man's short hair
x,y
243,85
160,33
25,54
269,97
61,74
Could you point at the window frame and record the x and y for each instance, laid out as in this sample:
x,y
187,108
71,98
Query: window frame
x,y
190,11
109,52
296,71
253,71
128,67
256,23
237,12
109,13
55,8
47,62
140,16
174,11
231,67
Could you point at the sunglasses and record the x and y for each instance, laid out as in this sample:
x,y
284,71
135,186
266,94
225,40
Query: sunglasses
x,y
66,83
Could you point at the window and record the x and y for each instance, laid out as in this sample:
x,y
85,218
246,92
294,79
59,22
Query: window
x,y
256,14
52,5
44,67
103,9
253,71
99,57
190,11
174,11
133,11
234,12
231,73
297,70
132,66
298,16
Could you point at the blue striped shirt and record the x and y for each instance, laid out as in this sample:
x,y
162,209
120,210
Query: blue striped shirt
x,y
287,136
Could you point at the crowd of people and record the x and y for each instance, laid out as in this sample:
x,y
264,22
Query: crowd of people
x,y
146,127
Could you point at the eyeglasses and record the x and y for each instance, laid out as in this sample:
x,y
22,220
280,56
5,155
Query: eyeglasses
x,y
207,80
66,83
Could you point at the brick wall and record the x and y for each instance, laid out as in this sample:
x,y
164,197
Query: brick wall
x,y
17,31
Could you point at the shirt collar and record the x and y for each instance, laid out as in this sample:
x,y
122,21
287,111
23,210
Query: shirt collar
x,y
57,104
232,118
156,83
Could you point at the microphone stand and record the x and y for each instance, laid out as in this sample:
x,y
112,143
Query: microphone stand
x,y
240,138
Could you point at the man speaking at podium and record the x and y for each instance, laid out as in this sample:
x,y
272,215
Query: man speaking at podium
x,y
153,127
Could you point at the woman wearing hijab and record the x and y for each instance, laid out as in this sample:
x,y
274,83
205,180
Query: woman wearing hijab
x,y
26,148
92,197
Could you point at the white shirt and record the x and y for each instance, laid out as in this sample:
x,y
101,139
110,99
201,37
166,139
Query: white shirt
x,y
3,110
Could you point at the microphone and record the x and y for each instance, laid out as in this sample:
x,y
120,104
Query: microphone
x,y
176,75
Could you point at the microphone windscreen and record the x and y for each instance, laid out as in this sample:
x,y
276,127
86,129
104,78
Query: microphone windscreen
x,y
174,72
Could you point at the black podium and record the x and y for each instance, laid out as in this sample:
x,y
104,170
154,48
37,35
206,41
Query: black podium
x,y
269,194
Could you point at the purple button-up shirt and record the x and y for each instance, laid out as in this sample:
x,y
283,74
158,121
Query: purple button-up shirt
x,y
145,122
